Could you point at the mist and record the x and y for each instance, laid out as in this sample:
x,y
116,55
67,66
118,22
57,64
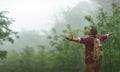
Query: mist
x,y
70,15
73,16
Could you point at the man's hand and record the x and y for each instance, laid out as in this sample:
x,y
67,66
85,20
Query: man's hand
x,y
110,33
69,38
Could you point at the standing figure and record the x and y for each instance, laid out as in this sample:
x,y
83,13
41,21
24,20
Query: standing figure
x,y
93,49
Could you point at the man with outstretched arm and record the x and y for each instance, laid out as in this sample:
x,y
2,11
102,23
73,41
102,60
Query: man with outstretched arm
x,y
91,66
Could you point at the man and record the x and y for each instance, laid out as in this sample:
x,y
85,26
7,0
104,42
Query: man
x,y
91,66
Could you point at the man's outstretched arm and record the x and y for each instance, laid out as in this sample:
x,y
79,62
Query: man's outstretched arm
x,y
104,37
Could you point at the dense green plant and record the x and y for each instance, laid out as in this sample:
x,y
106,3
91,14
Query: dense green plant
x,y
69,55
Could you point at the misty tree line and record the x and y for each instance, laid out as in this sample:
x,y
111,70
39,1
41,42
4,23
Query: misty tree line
x,y
68,56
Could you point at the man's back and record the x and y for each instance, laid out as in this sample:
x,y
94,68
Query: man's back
x,y
89,45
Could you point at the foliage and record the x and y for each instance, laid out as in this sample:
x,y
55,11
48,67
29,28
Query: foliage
x,y
5,31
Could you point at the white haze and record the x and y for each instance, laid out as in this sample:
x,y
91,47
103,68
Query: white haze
x,y
34,14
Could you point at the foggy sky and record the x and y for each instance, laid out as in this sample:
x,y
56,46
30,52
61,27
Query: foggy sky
x,y
34,14
40,15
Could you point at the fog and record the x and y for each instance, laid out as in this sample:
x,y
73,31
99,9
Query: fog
x,y
73,15
34,14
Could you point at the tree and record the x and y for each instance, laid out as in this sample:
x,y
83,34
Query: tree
x,y
6,34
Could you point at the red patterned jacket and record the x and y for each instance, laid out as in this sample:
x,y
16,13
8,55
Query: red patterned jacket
x,y
88,42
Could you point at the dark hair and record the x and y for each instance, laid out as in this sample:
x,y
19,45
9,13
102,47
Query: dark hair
x,y
93,31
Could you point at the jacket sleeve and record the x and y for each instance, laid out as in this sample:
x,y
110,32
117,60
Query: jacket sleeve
x,y
82,40
103,37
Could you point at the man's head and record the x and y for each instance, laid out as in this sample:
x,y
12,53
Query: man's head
x,y
92,31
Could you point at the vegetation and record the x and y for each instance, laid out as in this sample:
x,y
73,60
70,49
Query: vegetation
x,y
6,34
68,56
5,31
